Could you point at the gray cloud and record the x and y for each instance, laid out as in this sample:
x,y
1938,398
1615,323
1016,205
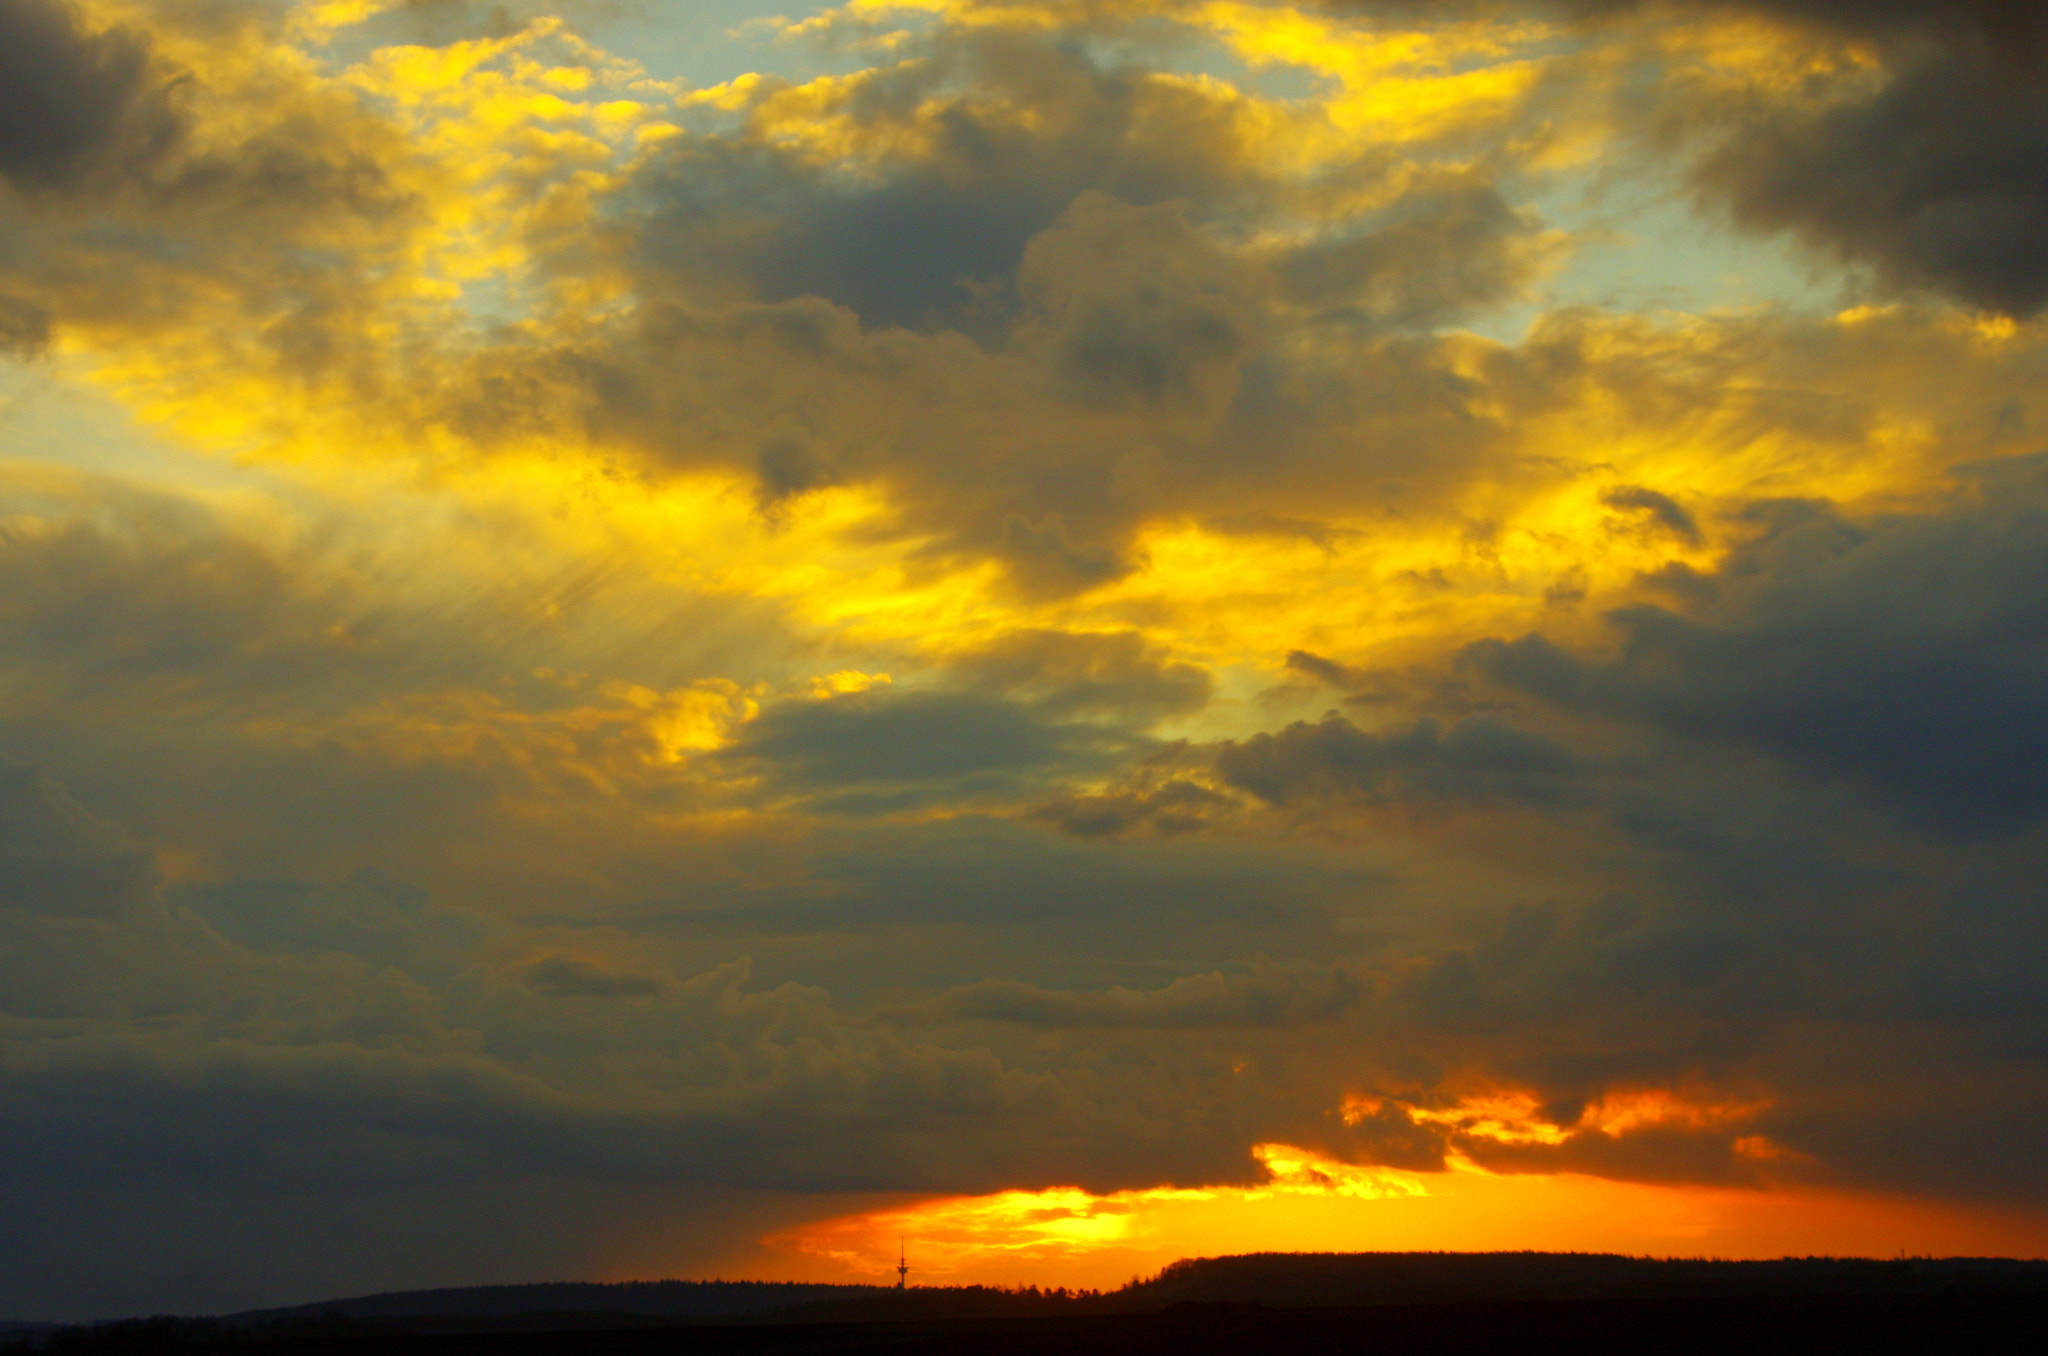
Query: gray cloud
x,y
1905,653
1440,255
1106,257
24,327
1480,759
936,239
70,99
1935,182
58,860
1066,674
1267,997
1169,805
370,915
1932,180
575,977
2016,24
1658,508
907,739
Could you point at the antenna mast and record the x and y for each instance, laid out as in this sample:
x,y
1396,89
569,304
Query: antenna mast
x,y
902,1266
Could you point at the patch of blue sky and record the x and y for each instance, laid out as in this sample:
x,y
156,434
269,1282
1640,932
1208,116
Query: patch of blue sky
x,y
708,42
1643,245
495,301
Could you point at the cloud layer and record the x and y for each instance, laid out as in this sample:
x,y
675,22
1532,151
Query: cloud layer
x,y
1023,596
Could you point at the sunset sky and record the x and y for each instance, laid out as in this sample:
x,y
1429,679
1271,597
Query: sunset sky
x,y
653,638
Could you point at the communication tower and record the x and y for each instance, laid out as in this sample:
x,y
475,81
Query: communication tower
x,y
902,1267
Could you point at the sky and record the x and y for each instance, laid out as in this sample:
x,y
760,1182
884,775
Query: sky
x,y
655,639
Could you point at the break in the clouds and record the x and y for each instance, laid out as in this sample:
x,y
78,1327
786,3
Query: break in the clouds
x,y
602,664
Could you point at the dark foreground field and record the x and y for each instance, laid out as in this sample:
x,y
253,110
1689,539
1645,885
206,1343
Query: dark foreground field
x,y
1308,1302
1722,1326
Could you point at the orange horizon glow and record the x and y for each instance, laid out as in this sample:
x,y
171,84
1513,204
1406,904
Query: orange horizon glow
x,y
1067,1236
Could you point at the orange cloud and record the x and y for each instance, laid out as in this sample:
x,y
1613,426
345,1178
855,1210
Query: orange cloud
x,y
1515,1117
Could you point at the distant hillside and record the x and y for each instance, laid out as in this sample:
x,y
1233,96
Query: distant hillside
x,y
649,1299
1336,1278
1269,1282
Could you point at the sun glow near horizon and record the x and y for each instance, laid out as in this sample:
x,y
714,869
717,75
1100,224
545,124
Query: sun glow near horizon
x,y
1064,1236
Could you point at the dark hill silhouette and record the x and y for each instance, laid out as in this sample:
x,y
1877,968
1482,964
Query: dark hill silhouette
x,y
1709,1327
1298,1280
1338,1280
1238,1304
645,1299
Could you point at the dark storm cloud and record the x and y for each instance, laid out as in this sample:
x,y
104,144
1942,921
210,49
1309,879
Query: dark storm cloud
x,y
1104,235
1166,806
1933,181
24,327
1365,687
1658,508
143,1048
370,915
1188,898
575,977
1436,258
1328,670
1036,705
141,204
146,592
886,738
935,238
1480,759
2014,24
70,99
1851,1014
1939,181
1067,674
1909,654
58,860
441,22
1147,371
1267,997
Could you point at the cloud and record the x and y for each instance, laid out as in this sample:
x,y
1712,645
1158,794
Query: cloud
x,y
1918,158
1444,253
516,470
371,915
1480,759
72,99
1900,652
1269,997
959,177
151,603
24,327
575,977
1170,805
58,860
1935,181
1065,674
1660,509
901,739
